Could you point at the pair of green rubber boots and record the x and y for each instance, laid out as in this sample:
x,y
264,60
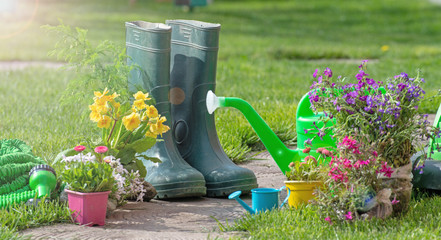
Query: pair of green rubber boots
x,y
193,161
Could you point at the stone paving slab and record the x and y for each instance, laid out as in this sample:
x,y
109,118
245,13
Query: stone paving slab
x,y
191,218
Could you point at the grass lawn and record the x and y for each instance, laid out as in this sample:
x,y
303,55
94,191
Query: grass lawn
x,y
422,221
268,52
268,49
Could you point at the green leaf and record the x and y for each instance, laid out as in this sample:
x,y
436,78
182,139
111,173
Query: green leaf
x,y
153,159
142,144
131,167
67,153
141,168
126,155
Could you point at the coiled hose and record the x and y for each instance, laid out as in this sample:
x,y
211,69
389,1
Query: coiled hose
x,y
18,168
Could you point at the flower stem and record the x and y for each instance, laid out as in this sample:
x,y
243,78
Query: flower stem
x,y
111,131
117,137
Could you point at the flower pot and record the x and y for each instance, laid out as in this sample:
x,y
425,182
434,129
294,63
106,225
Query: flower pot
x,y
301,191
400,184
89,208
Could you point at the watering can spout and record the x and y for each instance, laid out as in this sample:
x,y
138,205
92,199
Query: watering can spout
x,y
281,154
213,102
236,196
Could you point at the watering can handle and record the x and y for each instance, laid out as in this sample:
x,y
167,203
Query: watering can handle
x,y
304,107
435,124
287,197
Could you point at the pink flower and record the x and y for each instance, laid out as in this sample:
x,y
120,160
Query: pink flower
x,y
101,149
306,150
347,163
395,201
107,159
327,152
387,171
328,219
375,153
319,150
79,148
310,158
349,216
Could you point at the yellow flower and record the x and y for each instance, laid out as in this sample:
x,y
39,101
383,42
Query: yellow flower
x,y
131,121
112,97
115,105
159,127
100,101
139,95
101,109
99,94
95,116
151,112
150,134
139,104
104,122
385,48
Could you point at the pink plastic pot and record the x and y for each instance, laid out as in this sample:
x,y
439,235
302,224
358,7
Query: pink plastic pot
x,y
89,208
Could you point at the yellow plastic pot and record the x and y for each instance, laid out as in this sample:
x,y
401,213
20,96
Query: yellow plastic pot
x,y
301,191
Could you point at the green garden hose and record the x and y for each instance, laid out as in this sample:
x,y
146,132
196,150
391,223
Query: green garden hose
x,y
18,169
10,199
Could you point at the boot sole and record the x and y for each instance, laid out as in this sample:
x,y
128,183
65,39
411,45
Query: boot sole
x,y
181,190
224,189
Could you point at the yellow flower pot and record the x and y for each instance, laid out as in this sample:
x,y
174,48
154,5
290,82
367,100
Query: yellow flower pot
x,y
301,191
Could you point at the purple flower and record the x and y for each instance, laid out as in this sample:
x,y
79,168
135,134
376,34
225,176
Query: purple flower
x,y
328,72
361,74
314,98
353,94
350,101
306,131
308,142
315,73
370,81
321,134
362,63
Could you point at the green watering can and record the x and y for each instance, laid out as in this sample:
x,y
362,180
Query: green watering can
x,y
283,156
429,176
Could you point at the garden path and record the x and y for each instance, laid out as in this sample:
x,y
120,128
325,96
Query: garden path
x,y
19,65
177,219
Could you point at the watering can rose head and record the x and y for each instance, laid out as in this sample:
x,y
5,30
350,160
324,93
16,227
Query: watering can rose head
x,y
374,111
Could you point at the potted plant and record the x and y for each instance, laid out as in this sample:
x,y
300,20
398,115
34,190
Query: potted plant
x,y
305,177
351,187
89,183
383,115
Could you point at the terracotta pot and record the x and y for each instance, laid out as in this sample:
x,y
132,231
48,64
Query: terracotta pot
x,y
88,208
301,191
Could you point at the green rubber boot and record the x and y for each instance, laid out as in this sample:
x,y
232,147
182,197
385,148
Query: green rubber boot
x,y
148,46
193,60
